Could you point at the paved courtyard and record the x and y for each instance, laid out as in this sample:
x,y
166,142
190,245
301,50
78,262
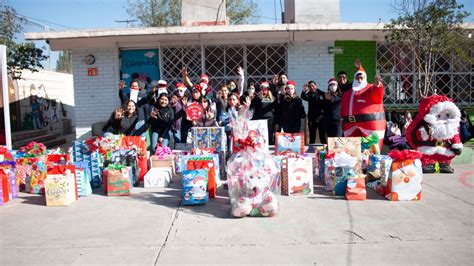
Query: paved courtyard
x,y
152,227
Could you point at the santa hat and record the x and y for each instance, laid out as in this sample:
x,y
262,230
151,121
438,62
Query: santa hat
x,y
162,83
291,84
361,70
264,84
332,81
162,90
205,78
180,85
428,110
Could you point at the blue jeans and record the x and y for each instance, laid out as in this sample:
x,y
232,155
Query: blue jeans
x,y
154,141
176,136
35,117
140,129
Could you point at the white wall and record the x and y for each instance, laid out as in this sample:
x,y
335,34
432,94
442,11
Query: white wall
x,y
54,86
96,96
310,61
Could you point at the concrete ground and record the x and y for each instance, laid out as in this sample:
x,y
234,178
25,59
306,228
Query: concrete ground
x,y
151,227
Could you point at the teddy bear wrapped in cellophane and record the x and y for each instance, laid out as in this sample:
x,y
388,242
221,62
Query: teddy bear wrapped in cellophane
x,y
253,174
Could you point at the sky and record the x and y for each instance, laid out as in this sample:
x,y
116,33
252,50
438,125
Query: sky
x,y
62,15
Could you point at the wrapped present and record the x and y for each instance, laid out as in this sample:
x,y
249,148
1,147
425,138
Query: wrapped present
x,y
211,173
253,176
60,185
33,149
329,172
255,128
139,144
83,179
350,145
8,175
379,167
182,162
58,158
209,137
82,152
203,151
318,162
406,175
126,157
164,161
118,181
297,176
5,154
379,188
355,189
158,177
289,142
369,146
194,187
347,167
34,183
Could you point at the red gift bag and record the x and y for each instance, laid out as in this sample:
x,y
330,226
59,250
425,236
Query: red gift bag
x,y
355,189
5,183
209,165
57,158
136,142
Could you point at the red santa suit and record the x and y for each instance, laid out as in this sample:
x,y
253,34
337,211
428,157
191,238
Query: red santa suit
x,y
435,130
362,109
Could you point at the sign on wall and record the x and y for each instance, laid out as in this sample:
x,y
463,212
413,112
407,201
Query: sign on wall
x,y
141,65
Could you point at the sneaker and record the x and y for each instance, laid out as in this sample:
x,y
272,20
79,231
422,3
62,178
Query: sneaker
x,y
445,168
428,168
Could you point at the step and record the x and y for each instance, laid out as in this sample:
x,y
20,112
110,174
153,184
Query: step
x,y
27,134
54,143
38,138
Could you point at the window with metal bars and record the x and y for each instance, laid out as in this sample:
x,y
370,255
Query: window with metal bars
x,y
220,62
452,77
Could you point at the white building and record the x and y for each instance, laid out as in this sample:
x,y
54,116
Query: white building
x,y
305,51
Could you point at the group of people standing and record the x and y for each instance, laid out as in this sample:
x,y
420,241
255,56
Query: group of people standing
x,y
163,109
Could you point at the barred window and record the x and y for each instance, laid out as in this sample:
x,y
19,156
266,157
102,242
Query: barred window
x,y
452,77
220,62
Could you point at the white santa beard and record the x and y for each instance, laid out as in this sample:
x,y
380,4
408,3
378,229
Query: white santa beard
x,y
357,86
444,131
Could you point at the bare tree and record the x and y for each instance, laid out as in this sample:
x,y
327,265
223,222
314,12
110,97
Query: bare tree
x,y
431,29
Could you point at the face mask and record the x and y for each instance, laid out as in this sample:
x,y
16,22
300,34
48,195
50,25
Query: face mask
x,y
333,88
232,87
251,90
180,93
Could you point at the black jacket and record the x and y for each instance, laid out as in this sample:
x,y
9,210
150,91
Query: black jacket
x,y
263,108
332,109
163,121
125,126
316,104
290,110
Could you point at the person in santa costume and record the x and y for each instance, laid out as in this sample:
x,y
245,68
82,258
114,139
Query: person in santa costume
x,y
362,110
435,133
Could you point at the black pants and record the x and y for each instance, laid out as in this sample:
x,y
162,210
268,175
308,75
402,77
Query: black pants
x,y
314,125
333,128
271,131
294,127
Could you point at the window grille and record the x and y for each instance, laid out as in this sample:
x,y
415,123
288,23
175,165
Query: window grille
x,y
220,62
452,77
